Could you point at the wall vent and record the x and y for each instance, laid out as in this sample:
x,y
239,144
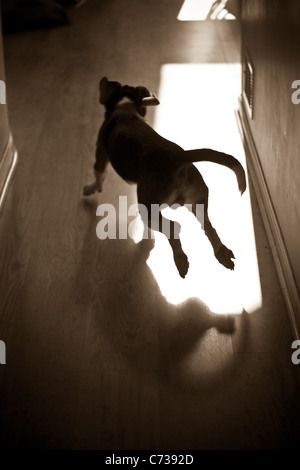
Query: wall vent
x,y
248,84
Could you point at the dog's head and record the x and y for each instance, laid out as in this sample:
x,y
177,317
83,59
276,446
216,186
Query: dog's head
x,y
111,93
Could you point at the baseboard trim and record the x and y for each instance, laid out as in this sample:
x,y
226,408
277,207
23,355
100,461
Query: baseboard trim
x,y
272,227
7,165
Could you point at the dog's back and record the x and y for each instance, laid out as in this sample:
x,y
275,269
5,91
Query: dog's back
x,y
163,171
132,145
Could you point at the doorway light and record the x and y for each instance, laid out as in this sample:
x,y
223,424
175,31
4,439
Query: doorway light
x,y
201,115
202,10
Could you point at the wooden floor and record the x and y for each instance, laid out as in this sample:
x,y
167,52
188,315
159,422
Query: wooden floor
x,y
97,358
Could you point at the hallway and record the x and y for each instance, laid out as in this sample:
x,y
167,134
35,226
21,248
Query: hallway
x,y
100,352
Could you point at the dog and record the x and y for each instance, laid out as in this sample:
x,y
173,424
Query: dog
x,y
163,171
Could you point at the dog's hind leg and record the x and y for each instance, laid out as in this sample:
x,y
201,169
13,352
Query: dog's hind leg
x,y
168,227
223,254
180,258
171,229
194,192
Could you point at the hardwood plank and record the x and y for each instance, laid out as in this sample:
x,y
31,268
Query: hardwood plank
x,y
96,356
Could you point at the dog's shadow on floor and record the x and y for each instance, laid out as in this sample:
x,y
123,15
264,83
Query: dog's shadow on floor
x,y
134,315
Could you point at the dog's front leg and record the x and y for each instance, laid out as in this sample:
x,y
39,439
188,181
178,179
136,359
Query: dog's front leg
x,y
100,169
96,185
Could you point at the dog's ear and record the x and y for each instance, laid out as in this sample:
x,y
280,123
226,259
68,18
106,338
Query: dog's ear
x,y
107,90
145,97
149,101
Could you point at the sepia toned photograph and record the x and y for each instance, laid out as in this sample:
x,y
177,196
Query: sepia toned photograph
x,y
149,227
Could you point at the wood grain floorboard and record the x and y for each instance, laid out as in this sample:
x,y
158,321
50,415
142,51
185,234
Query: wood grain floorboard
x,y
96,356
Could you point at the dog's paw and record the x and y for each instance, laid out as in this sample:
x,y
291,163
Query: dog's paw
x,y
224,256
182,263
89,189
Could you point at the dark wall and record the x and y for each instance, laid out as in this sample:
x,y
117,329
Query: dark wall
x,y
271,34
4,128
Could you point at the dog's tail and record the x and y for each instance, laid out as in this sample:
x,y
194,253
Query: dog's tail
x,y
209,155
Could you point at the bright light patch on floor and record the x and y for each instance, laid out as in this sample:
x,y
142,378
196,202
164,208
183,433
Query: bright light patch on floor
x,y
196,111
201,10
